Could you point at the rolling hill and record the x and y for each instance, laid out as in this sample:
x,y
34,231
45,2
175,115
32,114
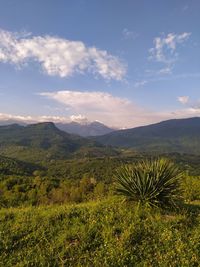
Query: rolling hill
x,y
9,166
44,141
178,135
83,129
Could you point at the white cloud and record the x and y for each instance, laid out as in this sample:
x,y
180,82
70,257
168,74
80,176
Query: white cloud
x,y
94,105
79,118
164,50
140,83
111,110
183,99
32,119
166,70
5,117
59,56
187,113
128,116
127,34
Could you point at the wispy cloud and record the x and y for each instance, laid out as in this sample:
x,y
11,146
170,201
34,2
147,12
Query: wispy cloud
x,y
33,119
185,8
165,49
153,77
183,99
58,56
127,34
79,118
140,83
166,70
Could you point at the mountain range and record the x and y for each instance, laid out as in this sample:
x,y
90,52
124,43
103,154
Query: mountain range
x,y
87,129
44,141
177,135
84,129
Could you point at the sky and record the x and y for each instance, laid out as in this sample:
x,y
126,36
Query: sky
x,y
124,63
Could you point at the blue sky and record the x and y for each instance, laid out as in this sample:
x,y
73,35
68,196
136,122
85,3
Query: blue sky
x,y
124,63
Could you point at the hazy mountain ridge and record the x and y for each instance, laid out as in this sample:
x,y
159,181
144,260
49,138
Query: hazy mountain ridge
x,y
177,135
94,128
44,141
87,129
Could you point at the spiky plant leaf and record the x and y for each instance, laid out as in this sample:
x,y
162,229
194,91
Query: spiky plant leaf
x,y
154,182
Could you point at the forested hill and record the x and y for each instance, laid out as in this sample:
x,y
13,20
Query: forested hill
x,y
9,166
83,129
43,141
179,135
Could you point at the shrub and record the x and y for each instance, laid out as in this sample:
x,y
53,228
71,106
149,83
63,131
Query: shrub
x,y
151,182
191,188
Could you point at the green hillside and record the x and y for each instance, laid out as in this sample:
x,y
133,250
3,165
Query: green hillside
x,y
62,209
109,233
44,142
9,166
181,135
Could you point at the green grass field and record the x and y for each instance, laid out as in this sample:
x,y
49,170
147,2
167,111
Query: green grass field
x,y
110,232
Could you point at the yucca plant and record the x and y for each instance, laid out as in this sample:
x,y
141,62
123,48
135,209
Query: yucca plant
x,y
151,182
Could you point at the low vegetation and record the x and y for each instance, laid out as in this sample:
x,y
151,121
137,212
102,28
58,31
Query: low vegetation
x,y
101,233
150,182
67,213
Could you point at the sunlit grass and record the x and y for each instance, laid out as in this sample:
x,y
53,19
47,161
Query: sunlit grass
x,y
102,233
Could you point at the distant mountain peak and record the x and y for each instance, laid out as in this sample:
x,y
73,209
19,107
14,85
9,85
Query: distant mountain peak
x,y
94,128
44,141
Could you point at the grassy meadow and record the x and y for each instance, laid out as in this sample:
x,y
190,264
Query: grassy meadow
x,y
47,220
111,232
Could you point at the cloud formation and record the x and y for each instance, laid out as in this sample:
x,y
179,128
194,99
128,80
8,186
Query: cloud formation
x,y
127,34
111,110
59,57
164,50
33,119
100,106
127,116
183,99
140,83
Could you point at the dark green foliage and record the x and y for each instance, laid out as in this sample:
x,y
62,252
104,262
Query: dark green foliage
x,y
152,182
60,181
187,162
10,166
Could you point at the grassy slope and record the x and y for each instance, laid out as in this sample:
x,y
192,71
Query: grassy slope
x,y
107,233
